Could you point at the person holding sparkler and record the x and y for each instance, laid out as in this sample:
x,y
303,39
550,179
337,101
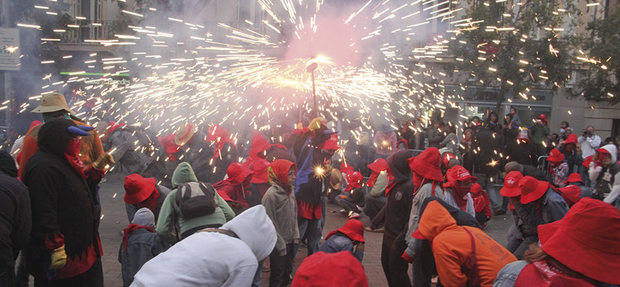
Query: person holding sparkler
x,y
313,160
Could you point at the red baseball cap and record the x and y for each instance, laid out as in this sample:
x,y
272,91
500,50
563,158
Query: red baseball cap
x,y
458,173
511,184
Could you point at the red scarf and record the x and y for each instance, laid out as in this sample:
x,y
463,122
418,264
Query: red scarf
x,y
460,197
72,152
131,228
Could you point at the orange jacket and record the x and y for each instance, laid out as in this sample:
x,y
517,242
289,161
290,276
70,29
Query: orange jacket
x,y
90,151
452,246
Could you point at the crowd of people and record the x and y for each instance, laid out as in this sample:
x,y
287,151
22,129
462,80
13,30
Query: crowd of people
x,y
202,213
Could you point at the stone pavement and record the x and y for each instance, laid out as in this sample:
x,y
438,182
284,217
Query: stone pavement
x,y
115,219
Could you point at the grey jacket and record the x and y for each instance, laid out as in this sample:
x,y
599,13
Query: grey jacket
x,y
281,207
142,246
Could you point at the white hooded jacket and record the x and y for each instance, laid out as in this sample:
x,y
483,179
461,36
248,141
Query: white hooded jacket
x,y
214,259
594,172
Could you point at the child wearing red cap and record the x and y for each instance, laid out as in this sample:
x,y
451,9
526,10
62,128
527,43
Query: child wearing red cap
x,y
558,167
350,238
577,250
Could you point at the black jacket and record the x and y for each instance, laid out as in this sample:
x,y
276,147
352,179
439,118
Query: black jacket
x,y
399,197
15,219
522,152
63,202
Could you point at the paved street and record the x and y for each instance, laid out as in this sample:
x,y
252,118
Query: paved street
x,y
115,219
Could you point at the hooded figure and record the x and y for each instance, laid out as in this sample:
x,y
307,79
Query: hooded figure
x,y
140,244
65,208
143,192
281,206
464,256
16,218
172,226
257,163
330,269
236,188
226,257
577,250
424,265
378,181
604,173
399,194
427,179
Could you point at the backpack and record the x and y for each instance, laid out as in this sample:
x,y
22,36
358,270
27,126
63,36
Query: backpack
x,y
196,199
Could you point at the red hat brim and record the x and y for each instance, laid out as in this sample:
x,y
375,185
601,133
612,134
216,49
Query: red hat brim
x,y
145,189
541,189
510,191
556,240
349,230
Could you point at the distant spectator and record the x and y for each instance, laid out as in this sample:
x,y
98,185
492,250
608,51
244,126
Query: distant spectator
x,y
589,142
451,142
434,134
385,141
564,125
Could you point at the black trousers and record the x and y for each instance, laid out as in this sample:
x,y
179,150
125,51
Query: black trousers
x,y
395,267
281,266
91,278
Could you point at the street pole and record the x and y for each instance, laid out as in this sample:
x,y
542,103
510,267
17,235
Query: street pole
x,y
311,69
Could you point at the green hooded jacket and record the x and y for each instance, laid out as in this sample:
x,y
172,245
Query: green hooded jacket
x,y
170,214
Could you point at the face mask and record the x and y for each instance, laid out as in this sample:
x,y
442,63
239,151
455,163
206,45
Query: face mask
x,y
73,147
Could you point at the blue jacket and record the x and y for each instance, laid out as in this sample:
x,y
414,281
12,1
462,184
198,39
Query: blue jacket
x,y
142,246
340,242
